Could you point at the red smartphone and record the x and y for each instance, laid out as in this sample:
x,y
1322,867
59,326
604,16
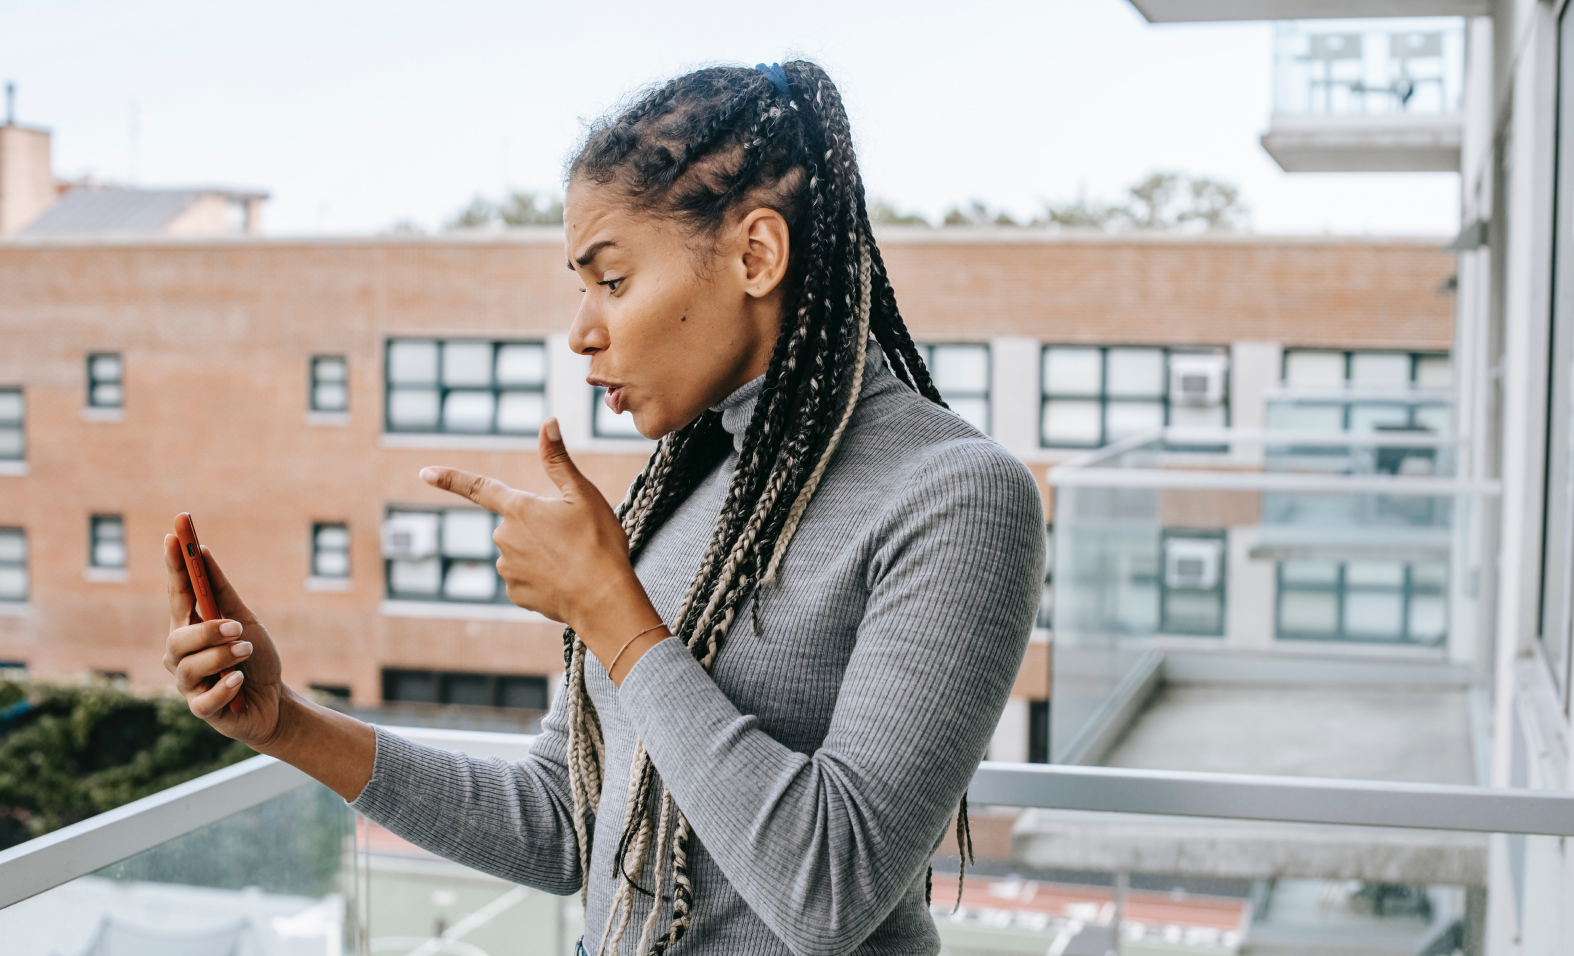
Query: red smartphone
x,y
197,571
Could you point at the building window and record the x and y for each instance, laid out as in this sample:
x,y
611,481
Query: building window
x,y
330,551
13,564
1038,731
1046,598
12,447
108,541
466,386
604,424
105,381
1094,395
443,555
961,374
1369,601
237,216
472,690
330,384
1191,595
1385,390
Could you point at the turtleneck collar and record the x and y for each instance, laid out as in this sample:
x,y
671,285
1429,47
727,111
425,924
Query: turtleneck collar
x,y
738,408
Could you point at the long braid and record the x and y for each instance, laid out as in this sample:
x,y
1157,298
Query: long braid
x,y
694,151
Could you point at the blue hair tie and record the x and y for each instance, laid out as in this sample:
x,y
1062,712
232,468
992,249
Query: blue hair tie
x,y
777,75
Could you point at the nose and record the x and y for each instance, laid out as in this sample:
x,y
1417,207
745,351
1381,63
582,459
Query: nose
x,y
588,335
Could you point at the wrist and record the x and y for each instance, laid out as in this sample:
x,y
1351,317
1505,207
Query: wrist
x,y
614,613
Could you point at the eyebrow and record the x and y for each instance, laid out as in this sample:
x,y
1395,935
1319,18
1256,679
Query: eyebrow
x,y
589,255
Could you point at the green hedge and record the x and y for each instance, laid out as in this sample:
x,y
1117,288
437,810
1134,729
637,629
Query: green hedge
x,y
69,752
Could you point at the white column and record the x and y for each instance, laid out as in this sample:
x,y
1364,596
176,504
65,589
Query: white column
x,y
1014,394
1249,592
1254,370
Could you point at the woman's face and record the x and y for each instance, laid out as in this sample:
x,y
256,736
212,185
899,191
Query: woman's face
x,y
672,325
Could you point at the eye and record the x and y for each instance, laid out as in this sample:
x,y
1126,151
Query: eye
x,y
612,284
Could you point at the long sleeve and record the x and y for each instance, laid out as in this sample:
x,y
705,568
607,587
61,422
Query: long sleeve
x,y
513,820
822,846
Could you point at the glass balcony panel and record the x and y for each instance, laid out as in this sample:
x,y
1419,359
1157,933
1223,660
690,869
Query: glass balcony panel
x,y
1375,573
1072,422
467,364
274,879
1366,417
1136,373
1309,572
1428,618
412,362
1306,417
1073,371
1369,67
1437,419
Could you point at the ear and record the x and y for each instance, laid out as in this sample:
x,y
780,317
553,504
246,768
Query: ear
x,y
763,234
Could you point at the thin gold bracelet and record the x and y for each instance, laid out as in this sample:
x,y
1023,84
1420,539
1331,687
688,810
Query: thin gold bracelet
x,y
629,643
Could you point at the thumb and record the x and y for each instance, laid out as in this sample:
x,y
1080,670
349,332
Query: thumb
x,y
556,462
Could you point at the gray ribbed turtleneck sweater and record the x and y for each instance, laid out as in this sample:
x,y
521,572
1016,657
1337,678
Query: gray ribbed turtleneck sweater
x,y
820,761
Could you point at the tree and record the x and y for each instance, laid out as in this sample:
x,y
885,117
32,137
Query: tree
x,y
518,208
1167,202
67,753
976,213
883,213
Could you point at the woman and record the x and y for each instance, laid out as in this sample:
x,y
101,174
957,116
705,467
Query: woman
x,y
789,645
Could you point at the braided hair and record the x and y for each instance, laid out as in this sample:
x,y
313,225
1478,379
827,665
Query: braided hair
x,y
695,151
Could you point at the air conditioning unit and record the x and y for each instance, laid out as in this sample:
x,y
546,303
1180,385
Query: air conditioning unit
x,y
1197,378
410,536
1192,564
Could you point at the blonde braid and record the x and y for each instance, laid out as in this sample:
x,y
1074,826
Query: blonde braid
x,y
661,861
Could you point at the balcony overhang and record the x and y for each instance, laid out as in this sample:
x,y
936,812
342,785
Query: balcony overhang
x,y
1212,11
1384,143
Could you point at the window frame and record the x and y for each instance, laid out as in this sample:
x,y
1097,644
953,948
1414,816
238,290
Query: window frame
x,y
95,521
443,680
1045,396
1409,590
926,351
20,424
20,564
443,390
1220,588
597,406
1347,406
93,381
445,562
313,381
316,549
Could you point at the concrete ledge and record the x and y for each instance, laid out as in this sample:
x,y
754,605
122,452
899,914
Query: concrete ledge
x,y
1246,850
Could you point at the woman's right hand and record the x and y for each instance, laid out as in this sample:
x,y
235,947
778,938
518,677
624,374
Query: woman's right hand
x,y
199,653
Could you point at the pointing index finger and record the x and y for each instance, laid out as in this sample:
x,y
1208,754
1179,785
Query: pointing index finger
x,y
489,493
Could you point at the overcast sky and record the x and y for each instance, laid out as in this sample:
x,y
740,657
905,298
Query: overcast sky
x,y
356,115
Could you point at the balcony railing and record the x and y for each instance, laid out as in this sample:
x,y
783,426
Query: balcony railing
x,y
1299,542
256,858
1367,68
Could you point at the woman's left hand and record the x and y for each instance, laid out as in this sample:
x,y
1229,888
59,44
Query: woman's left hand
x,y
566,558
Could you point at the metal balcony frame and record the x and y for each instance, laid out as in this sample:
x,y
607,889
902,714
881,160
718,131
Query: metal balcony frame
x,y
86,847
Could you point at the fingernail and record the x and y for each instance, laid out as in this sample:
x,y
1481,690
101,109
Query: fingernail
x,y
242,648
233,679
553,434
230,629
429,475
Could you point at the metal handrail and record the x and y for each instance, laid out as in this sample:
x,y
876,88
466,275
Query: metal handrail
x,y
86,847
